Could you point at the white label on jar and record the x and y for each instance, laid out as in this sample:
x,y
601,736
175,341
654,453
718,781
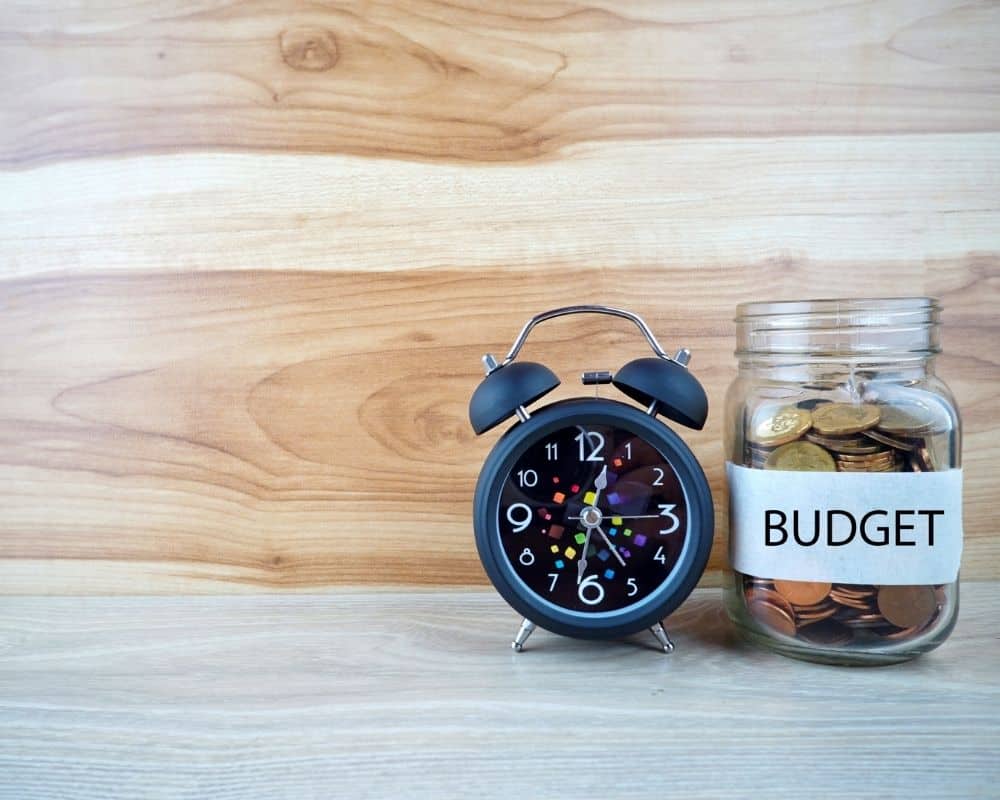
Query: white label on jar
x,y
875,528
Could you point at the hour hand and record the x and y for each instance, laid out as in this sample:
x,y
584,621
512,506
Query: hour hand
x,y
601,481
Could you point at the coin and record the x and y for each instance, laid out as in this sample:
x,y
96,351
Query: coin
x,y
847,438
863,621
839,419
898,444
801,457
770,616
787,424
871,458
802,593
828,633
772,597
905,420
809,614
907,606
851,445
926,459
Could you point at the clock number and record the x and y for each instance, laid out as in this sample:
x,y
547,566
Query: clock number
x,y
522,518
659,476
660,555
527,558
552,451
555,577
628,450
668,512
527,477
596,443
633,587
595,596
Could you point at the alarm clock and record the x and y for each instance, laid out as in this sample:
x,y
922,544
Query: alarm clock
x,y
592,517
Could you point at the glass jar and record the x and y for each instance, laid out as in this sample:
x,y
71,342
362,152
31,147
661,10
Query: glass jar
x,y
843,453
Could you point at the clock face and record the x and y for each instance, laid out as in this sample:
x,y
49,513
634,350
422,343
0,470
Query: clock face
x,y
621,485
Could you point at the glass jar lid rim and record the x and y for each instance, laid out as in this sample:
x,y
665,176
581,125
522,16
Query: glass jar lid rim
x,y
825,306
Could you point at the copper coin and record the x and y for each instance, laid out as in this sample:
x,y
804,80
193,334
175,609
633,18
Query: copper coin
x,y
857,589
770,616
907,606
839,419
926,458
864,621
827,633
802,593
904,633
769,596
806,616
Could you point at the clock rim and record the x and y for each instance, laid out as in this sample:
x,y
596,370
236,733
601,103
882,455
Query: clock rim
x,y
672,591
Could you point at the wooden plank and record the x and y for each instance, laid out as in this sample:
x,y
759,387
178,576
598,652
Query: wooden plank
x,y
485,80
418,694
708,204
230,430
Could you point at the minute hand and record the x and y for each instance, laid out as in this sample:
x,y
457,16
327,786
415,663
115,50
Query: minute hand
x,y
611,546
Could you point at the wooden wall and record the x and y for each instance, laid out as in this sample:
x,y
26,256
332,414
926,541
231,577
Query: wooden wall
x,y
251,252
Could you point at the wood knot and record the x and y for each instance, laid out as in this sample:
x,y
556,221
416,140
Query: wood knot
x,y
308,48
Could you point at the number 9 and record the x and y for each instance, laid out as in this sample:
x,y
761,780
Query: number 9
x,y
523,516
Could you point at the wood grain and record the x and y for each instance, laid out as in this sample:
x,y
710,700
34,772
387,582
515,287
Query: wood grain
x,y
707,205
251,252
485,80
418,694
293,430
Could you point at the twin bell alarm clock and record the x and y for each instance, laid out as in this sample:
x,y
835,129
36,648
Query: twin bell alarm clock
x,y
593,519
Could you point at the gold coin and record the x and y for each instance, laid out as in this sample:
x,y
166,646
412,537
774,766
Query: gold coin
x,y
785,425
802,593
907,606
870,458
840,419
801,457
849,450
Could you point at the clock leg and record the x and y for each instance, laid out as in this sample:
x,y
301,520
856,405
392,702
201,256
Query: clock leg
x,y
522,634
661,636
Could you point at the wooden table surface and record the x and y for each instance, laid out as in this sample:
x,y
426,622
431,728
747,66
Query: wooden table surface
x,y
405,694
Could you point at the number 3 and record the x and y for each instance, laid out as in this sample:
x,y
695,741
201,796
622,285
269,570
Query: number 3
x,y
667,510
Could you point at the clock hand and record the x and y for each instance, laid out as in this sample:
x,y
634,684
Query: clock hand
x,y
581,565
600,484
611,547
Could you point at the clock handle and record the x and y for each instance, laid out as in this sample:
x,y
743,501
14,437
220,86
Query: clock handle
x,y
681,357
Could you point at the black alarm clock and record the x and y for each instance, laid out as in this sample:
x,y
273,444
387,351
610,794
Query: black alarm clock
x,y
592,517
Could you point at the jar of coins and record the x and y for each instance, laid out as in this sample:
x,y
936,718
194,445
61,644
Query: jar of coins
x,y
843,453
